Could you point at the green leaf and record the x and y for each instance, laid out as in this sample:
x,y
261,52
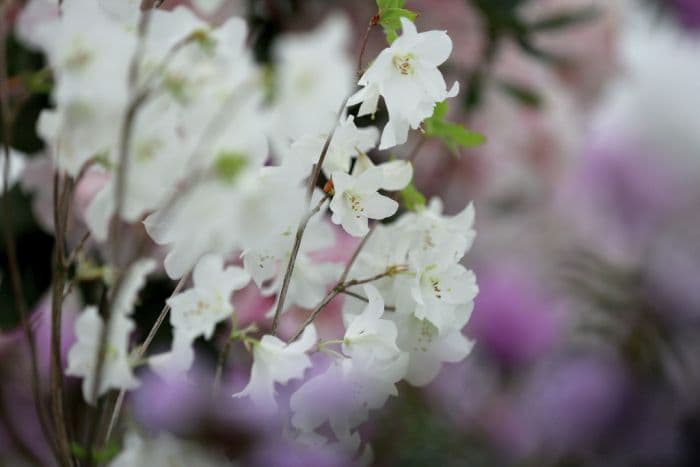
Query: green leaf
x,y
411,198
523,94
77,450
386,4
229,164
390,21
107,453
565,19
453,135
39,82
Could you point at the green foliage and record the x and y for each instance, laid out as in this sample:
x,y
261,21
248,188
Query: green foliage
x,y
389,17
229,164
565,19
39,82
411,198
453,135
523,94
100,456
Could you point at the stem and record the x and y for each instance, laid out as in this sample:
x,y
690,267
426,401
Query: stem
x,y
140,352
9,239
338,289
364,299
313,180
223,356
61,203
373,22
292,260
416,149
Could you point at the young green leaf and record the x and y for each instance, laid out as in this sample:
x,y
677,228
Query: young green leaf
x,y
386,4
453,135
411,198
390,14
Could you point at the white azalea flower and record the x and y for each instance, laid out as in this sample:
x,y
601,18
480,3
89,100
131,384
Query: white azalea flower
x,y
428,348
82,357
275,361
347,142
434,235
197,311
406,74
314,72
368,336
133,282
436,291
176,362
396,175
345,393
356,200
17,163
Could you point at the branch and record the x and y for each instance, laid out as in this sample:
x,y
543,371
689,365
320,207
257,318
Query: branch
x,y
292,260
341,287
9,239
140,352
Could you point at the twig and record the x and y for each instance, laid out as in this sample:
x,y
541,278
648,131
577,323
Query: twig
x,y
416,149
223,356
292,260
62,199
140,352
9,239
341,288
373,22
364,299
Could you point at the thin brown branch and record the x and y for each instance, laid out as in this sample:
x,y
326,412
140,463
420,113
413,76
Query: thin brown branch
x,y
416,149
364,299
8,234
341,287
373,22
292,260
223,356
62,199
140,352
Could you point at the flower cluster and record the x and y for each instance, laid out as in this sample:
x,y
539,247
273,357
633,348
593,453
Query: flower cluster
x,y
222,163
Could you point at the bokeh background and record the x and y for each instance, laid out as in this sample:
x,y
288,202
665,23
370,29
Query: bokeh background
x,y
587,195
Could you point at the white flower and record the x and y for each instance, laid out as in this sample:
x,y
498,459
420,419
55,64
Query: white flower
x,y
347,142
406,75
313,74
221,216
176,362
268,262
134,281
368,336
435,236
197,311
274,361
436,291
356,200
17,164
82,357
428,348
345,393
395,174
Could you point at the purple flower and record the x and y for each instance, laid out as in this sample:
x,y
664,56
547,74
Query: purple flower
x,y
513,321
688,12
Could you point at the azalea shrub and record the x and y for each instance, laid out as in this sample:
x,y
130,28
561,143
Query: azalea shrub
x,y
175,154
